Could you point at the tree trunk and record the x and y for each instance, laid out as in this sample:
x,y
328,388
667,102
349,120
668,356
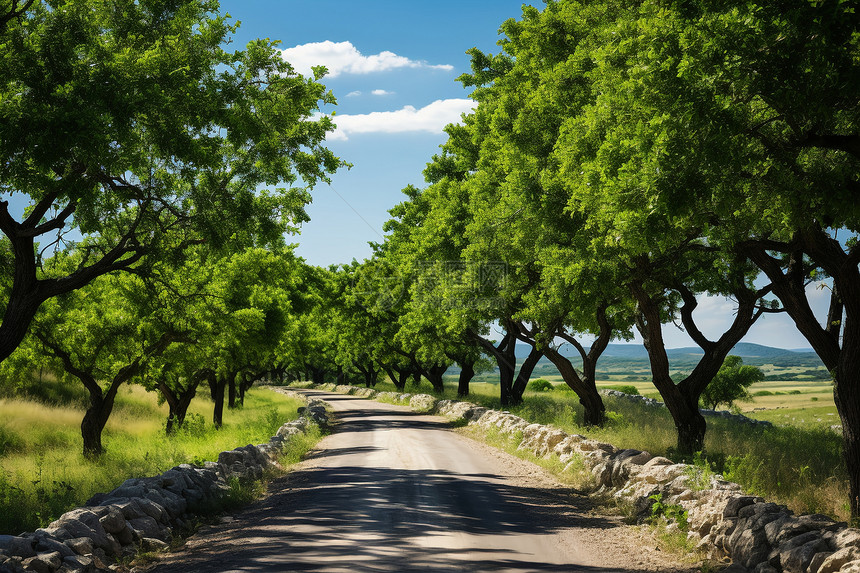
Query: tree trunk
x,y
434,376
594,412
370,375
218,385
682,399
178,401
525,373
847,398
467,372
506,383
20,310
318,375
399,376
231,390
101,402
843,361
506,360
95,419
245,385
340,377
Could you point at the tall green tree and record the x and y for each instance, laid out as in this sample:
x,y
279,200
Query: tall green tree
x,y
565,122
100,337
129,124
731,383
521,213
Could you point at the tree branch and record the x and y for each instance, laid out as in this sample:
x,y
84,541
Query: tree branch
x,y
690,304
848,143
14,12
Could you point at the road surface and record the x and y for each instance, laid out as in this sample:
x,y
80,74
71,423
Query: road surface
x,y
392,490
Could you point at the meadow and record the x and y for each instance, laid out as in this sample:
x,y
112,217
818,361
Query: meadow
x,y
43,472
797,462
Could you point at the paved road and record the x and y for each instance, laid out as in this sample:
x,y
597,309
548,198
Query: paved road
x,y
391,490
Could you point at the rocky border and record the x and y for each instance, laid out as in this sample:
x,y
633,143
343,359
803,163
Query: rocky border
x,y
142,513
723,521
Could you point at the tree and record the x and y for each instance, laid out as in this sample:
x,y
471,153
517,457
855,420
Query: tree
x,y
129,125
252,295
100,337
520,215
731,383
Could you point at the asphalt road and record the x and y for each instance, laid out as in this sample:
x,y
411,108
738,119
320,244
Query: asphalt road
x,y
391,490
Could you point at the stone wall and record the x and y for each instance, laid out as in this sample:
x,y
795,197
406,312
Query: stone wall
x,y
142,513
723,521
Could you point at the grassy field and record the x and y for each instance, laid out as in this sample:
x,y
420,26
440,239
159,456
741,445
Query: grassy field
x,y
42,470
798,462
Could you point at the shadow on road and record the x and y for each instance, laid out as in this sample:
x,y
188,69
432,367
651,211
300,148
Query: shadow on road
x,y
358,518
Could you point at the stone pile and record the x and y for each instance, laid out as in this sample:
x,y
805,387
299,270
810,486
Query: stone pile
x,y
142,513
724,522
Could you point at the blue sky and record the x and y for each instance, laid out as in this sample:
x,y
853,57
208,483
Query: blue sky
x,y
393,68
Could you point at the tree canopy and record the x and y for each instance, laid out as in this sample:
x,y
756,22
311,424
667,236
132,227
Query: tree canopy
x,y
128,129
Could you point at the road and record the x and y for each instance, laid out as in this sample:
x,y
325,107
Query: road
x,y
392,490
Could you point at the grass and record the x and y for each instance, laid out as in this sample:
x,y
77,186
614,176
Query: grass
x,y
43,473
798,462
576,475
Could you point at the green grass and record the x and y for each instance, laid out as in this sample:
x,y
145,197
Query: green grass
x,y
43,473
798,462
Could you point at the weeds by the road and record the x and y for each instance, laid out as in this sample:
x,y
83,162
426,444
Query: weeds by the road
x,y
573,473
43,473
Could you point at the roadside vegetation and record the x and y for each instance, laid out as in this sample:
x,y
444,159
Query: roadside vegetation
x,y
43,472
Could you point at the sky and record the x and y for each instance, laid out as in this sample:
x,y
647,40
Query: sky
x,y
393,69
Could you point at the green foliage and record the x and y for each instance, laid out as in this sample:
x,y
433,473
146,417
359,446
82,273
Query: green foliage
x,y
672,512
239,493
699,472
194,426
627,389
616,419
189,151
540,385
731,383
10,441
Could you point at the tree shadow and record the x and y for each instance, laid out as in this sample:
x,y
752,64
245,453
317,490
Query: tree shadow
x,y
342,516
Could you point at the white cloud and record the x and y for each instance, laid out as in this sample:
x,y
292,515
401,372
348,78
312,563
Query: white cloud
x,y
344,58
353,94
381,93
431,118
